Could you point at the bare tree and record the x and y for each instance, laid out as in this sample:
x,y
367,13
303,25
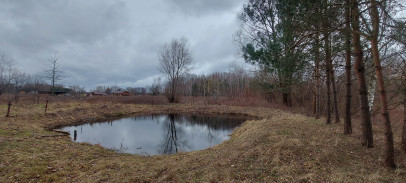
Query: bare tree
x,y
103,89
6,71
19,79
54,72
155,88
76,90
36,84
175,60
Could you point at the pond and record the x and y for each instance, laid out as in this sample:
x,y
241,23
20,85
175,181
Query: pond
x,y
157,134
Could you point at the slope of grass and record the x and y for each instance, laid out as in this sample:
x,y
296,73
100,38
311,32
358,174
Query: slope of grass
x,y
277,146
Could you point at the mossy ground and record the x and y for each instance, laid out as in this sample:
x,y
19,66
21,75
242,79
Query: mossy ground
x,y
277,146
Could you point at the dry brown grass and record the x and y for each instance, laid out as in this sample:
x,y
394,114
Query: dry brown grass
x,y
278,146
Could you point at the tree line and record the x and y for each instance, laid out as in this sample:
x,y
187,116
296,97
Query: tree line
x,y
295,41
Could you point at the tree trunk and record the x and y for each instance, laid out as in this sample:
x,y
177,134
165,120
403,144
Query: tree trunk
x,y
333,82
326,33
328,80
371,92
367,135
347,120
172,91
389,149
317,75
314,103
287,99
404,111
404,124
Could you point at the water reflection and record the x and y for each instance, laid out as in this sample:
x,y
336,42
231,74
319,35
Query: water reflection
x,y
157,134
171,143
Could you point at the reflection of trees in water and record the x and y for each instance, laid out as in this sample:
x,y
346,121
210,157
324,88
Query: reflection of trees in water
x,y
152,117
173,141
213,122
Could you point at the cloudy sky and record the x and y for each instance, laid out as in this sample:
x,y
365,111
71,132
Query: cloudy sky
x,y
116,42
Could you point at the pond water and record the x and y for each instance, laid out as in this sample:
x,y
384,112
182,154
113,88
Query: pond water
x,y
157,134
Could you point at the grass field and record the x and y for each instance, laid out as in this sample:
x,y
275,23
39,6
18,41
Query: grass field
x,y
276,146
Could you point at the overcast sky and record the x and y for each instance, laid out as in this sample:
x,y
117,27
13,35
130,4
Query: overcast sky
x,y
116,42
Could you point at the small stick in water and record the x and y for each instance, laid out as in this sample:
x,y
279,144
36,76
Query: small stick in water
x,y
75,134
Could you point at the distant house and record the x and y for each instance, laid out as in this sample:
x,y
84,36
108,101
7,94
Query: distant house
x,y
125,93
56,92
98,94
120,93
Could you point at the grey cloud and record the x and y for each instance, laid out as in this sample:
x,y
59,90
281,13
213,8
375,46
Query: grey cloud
x,y
36,28
199,7
103,42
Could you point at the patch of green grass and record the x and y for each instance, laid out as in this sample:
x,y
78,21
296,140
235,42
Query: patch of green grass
x,y
284,132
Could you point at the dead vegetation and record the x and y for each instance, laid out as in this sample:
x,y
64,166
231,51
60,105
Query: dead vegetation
x,y
277,146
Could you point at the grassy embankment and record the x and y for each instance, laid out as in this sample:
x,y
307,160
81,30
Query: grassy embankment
x,y
279,146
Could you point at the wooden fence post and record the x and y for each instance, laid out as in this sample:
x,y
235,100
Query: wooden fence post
x,y
46,106
8,110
